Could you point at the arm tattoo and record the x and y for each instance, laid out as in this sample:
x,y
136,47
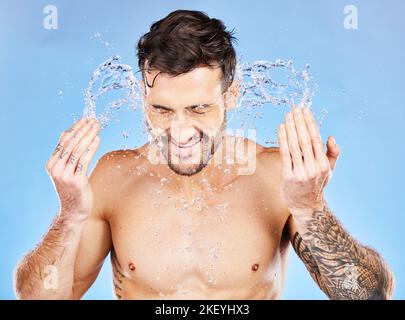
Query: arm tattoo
x,y
341,267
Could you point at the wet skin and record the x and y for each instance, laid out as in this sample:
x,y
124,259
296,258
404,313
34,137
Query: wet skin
x,y
215,225
207,234
229,243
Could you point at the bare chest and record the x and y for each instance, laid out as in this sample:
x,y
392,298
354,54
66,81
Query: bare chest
x,y
165,243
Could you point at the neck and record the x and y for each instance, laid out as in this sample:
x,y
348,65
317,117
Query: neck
x,y
214,176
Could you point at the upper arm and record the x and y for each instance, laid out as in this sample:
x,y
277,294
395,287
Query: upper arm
x,y
271,159
95,241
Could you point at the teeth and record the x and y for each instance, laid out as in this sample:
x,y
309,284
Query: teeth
x,y
189,145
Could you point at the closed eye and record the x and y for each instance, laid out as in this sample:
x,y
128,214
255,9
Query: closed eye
x,y
200,109
160,109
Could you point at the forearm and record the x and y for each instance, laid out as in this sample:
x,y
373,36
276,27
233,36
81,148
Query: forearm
x,y
47,271
343,268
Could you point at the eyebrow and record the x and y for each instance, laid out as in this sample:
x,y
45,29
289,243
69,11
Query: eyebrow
x,y
192,106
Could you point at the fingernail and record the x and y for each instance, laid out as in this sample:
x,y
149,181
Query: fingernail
x,y
333,141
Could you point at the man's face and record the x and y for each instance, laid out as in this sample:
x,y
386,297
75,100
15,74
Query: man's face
x,y
186,117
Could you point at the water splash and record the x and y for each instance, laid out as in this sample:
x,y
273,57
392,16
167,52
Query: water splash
x,y
322,116
110,77
277,83
261,83
265,83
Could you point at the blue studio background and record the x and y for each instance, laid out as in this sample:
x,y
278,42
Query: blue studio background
x,y
359,73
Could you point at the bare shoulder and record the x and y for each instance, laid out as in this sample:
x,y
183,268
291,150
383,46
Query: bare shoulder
x,y
269,169
269,160
114,163
113,171
269,166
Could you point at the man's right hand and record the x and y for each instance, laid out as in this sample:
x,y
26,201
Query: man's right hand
x,y
68,167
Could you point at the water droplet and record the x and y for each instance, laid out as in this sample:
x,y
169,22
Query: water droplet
x,y
214,252
125,134
222,207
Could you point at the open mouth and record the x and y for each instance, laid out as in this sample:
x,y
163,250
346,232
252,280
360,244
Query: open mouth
x,y
189,145
186,150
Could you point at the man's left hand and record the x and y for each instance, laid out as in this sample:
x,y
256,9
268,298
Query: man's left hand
x,y
306,167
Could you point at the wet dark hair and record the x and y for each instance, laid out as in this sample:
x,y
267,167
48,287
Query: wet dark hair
x,y
184,40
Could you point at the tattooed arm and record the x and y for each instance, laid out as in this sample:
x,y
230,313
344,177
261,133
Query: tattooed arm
x,y
342,267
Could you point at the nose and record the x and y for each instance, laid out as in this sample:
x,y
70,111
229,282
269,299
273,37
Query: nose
x,y
182,130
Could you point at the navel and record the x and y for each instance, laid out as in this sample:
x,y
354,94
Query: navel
x,y
131,266
255,267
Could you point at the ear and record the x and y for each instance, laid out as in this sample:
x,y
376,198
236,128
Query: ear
x,y
232,95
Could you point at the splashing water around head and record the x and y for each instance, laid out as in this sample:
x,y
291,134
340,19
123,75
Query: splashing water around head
x,y
264,83
110,76
261,83
277,83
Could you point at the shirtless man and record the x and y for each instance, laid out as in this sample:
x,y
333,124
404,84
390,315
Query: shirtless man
x,y
181,220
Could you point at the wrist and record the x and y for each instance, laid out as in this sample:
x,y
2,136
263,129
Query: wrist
x,y
71,220
308,209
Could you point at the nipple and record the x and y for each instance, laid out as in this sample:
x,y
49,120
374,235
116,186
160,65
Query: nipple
x,y
255,267
131,267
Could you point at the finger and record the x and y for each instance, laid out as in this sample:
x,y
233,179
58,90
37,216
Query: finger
x,y
304,141
284,151
316,139
64,140
81,146
65,153
84,162
296,154
333,151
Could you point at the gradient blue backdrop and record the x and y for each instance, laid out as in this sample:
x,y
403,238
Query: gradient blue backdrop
x,y
359,72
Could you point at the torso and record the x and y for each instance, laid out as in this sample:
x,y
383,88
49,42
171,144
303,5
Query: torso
x,y
227,243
